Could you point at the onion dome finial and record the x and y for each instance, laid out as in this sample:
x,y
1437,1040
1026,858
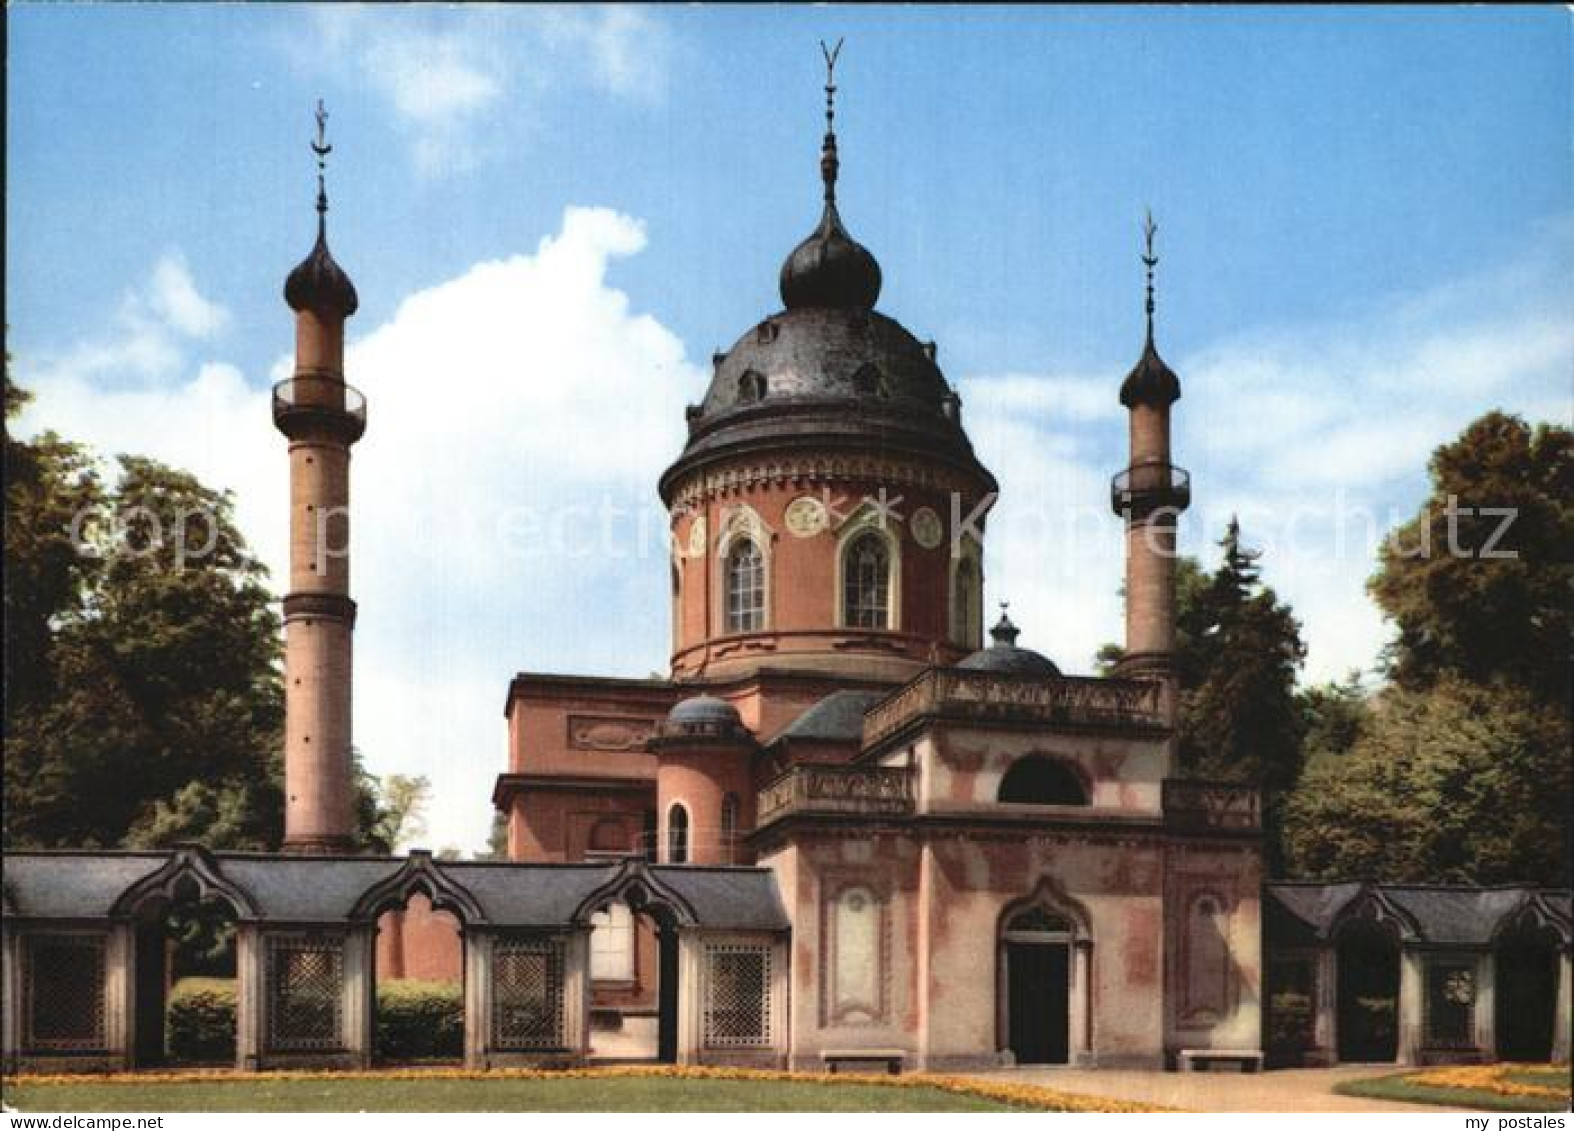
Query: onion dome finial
x,y
1151,381
830,268
318,283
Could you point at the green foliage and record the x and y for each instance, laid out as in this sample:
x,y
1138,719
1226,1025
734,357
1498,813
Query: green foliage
x,y
1487,619
496,839
1460,783
160,673
419,1020
401,802
1334,716
201,1019
1239,649
47,482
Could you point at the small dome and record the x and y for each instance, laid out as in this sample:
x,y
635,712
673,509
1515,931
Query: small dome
x,y
1005,658
319,284
1151,381
704,709
830,268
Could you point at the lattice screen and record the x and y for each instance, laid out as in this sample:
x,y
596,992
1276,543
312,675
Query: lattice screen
x,y
738,995
305,993
63,980
527,994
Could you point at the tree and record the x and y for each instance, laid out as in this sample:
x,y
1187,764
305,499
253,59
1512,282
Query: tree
x,y
1478,582
496,839
160,672
1238,651
401,804
1334,716
1460,782
1191,581
48,481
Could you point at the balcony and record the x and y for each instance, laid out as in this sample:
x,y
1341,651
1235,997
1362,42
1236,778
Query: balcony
x,y
869,791
972,696
1147,487
313,405
1205,806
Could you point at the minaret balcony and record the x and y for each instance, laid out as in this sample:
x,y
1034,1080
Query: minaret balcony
x,y
1144,488
312,405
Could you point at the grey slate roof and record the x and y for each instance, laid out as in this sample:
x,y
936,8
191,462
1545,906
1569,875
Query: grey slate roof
x,y
69,884
839,717
315,889
1443,915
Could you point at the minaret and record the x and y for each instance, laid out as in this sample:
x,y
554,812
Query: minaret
x,y
1150,495
322,416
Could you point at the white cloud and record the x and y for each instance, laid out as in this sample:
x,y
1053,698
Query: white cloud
x,y
149,334
506,519
516,412
1317,436
174,298
443,75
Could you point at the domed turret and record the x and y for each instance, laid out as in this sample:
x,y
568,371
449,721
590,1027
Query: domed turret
x,y
825,480
1005,658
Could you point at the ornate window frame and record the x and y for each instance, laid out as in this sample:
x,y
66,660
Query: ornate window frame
x,y
965,625
742,522
869,520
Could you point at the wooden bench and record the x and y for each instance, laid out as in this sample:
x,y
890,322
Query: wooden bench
x,y
1199,1060
891,1058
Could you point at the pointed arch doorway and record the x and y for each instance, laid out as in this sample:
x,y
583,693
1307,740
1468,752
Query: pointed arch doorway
x,y
1043,958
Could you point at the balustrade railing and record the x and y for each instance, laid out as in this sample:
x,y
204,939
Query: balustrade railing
x,y
865,790
968,694
1211,805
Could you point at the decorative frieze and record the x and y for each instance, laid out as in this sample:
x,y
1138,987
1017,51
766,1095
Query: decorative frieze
x,y
813,471
609,733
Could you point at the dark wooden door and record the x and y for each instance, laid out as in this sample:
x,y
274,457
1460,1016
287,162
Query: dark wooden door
x,y
667,997
1038,1001
149,996
1368,999
1527,986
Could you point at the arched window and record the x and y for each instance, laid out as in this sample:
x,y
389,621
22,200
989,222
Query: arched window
x,y
612,944
866,582
966,604
729,827
677,835
745,587
1036,780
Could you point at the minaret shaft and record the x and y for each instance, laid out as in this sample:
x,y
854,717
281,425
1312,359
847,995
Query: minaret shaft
x,y
323,417
1150,495
319,616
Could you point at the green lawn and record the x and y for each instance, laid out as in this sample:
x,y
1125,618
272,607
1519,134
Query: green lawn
x,y
569,1094
1400,1088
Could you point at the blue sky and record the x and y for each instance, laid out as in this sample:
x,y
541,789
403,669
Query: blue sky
x,y
1365,221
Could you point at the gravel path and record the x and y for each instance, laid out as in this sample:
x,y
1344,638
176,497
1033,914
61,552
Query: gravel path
x,y
1286,1089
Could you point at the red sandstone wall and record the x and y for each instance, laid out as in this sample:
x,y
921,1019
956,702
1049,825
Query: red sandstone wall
x,y
419,943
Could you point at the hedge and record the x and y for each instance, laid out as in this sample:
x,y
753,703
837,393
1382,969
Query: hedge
x,y
202,1019
419,1020
415,1020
